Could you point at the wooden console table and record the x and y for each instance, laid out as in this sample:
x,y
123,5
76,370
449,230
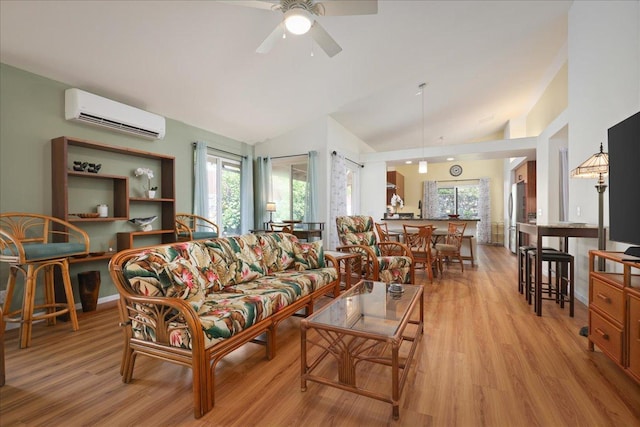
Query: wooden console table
x,y
614,310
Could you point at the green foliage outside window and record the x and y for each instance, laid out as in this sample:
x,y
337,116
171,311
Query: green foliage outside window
x,y
462,200
230,200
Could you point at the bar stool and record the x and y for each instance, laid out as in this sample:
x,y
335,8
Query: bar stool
x,y
523,267
34,243
559,287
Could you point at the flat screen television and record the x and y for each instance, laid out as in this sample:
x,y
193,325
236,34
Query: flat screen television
x,y
624,182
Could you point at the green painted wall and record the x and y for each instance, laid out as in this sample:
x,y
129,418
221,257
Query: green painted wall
x,y
32,113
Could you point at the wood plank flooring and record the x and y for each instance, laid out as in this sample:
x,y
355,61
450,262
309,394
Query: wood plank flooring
x,y
485,360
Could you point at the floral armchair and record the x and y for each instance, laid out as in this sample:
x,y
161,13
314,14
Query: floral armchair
x,y
390,262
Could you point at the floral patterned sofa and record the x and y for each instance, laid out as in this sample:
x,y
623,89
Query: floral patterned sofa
x,y
194,302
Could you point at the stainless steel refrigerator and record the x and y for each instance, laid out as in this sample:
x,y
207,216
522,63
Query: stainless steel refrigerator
x,y
517,211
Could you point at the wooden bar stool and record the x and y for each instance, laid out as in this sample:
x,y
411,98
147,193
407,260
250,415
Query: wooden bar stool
x,y
33,244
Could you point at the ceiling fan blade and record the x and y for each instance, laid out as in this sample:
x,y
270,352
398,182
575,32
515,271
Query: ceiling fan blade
x,y
271,39
349,7
256,4
324,40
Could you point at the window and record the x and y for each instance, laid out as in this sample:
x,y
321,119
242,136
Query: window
x,y
289,186
459,200
224,194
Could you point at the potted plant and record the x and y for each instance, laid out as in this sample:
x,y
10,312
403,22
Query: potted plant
x,y
150,191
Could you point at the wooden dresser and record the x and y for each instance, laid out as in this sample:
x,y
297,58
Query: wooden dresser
x,y
614,309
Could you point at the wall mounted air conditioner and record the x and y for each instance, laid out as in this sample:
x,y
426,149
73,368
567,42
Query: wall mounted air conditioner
x,y
95,110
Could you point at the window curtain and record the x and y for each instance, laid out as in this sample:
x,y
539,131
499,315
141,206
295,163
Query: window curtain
x,y
262,190
311,202
200,187
484,212
564,184
431,206
338,196
246,195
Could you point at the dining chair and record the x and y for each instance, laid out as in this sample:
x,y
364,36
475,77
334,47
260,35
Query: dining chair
x,y
450,249
34,243
418,239
194,227
281,228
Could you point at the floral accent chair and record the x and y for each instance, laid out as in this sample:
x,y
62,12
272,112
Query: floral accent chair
x,y
389,262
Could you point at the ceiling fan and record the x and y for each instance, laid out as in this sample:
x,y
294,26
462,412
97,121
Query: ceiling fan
x,y
298,18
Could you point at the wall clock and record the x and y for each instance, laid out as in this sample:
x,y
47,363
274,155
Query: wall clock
x,y
455,170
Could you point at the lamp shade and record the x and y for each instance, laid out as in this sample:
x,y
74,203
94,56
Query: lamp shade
x,y
271,207
297,21
594,167
422,166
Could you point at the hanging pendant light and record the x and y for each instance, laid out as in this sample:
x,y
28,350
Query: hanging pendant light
x,y
422,164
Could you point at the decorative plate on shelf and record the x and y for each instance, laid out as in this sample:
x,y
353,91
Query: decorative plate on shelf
x,y
87,215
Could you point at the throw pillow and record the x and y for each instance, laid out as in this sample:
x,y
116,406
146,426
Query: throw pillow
x,y
309,255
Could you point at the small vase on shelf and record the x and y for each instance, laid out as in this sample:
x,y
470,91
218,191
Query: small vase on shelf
x,y
150,194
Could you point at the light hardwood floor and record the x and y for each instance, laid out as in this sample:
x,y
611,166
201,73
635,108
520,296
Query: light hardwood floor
x,y
485,359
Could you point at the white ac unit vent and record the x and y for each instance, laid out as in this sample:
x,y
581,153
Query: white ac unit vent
x,y
95,110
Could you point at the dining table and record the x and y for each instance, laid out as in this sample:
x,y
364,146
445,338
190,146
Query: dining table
x,y
562,230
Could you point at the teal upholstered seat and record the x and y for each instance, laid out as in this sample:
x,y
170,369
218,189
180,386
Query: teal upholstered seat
x,y
193,227
198,235
36,251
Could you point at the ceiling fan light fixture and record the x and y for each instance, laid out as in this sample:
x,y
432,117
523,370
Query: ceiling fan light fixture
x,y
422,166
297,21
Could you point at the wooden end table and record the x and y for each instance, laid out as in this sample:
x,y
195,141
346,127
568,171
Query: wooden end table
x,y
345,262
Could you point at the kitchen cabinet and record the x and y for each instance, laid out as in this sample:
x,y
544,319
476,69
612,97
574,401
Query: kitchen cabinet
x,y
527,173
395,184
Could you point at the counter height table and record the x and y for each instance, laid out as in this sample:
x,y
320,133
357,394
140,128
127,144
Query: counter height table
x,y
561,230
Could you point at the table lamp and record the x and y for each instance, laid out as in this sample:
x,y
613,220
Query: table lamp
x,y
596,166
271,208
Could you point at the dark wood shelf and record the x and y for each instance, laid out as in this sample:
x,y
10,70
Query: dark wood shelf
x,y
146,199
72,218
62,172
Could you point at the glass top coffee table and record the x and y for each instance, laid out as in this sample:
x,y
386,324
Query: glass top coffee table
x,y
371,322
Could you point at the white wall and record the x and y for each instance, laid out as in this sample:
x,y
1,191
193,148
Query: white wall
x,y
604,88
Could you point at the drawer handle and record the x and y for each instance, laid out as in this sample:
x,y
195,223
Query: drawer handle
x,y
602,333
604,297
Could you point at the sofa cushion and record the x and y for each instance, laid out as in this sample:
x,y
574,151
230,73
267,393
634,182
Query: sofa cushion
x,y
309,255
237,259
182,270
395,269
278,251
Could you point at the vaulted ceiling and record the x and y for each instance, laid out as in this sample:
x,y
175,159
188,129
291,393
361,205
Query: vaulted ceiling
x,y
484,63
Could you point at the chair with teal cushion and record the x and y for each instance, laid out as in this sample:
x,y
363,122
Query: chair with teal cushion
x,y
34,243
194,227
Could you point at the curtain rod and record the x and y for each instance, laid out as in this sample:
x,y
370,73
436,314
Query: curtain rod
x,y
458,180
349,160
291,155
223,151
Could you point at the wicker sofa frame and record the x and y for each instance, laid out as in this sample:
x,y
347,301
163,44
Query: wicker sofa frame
x,y
199,358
